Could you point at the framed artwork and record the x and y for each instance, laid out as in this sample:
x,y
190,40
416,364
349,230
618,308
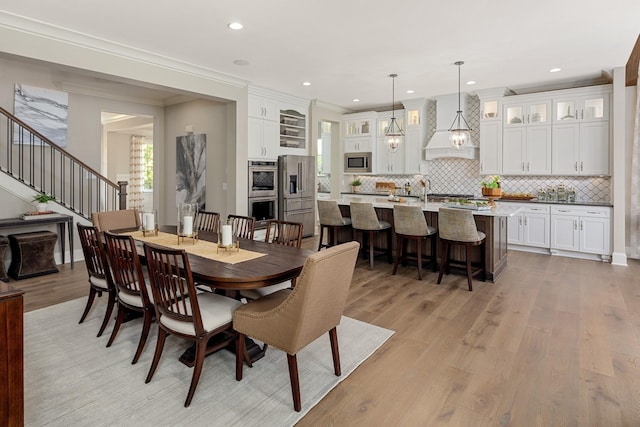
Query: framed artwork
x,y
190,169
45,110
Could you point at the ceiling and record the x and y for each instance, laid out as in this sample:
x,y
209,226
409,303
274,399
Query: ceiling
x,y
347,49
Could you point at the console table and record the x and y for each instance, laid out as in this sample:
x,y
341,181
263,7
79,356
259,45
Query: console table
x,y
65,225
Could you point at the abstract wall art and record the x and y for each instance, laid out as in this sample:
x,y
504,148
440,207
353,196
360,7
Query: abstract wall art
x,y
190,169
45,110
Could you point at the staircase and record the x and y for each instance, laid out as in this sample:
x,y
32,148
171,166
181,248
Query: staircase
x,y
39,164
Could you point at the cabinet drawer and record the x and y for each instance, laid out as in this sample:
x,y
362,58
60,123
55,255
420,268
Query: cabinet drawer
x,y
542,209
601,212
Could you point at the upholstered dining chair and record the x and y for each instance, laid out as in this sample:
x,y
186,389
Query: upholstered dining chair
x,y
116,220
365,220
208,221
134,291
290,319
332,220
409,224
284,233
457,227
181,312
100,279
243,226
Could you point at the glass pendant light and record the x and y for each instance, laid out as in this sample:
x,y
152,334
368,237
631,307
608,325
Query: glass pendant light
x,y
393,134
459,135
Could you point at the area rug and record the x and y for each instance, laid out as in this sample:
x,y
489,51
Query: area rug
x,y
72,379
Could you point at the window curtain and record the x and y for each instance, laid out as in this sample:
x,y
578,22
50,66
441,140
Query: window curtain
x,y
136,173
634,250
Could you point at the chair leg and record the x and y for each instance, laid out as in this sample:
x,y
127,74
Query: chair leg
x,y
295,383
419,242
201,348
92,296
371,249
162,334
398,254
445,260
240,351
334,237
434,258
321,236
483,248
335,352
467,250
146,326
116,327
111,302
389,245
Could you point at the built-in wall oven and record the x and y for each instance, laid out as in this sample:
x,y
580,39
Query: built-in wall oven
x,y
263,192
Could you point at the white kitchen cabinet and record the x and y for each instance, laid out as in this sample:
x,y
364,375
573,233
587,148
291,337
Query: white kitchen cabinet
x,y
581,105
264,108
389,162
263,139
530,227
526,150
527,111
356,145
581,148
581,230
293,131
360,132
491,147
413,141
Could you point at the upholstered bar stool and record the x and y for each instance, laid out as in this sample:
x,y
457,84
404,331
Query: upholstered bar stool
x,y
365,220
457,227
409,223
332,220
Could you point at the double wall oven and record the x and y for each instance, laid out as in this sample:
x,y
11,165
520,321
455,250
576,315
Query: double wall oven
x,y
263,192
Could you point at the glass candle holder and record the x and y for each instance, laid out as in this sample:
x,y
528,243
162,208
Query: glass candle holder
x,y
150,222
187,213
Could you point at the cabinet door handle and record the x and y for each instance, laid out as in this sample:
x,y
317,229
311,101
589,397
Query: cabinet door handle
x,y
523,169
528,167
575,224
594,212
581,166
576,166
582,114
581,225
520,220
562,210
525,221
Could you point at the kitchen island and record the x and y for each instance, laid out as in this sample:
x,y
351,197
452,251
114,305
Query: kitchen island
x,y
491,222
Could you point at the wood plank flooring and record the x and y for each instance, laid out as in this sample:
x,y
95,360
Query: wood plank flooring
x,y
554,342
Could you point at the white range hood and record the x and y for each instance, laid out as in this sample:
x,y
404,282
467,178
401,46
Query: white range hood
x,y
439,146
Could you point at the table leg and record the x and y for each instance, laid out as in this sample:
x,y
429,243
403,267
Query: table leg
x,y
71,240
62,232
254,350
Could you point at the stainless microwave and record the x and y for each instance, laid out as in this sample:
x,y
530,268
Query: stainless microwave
x,y
357,162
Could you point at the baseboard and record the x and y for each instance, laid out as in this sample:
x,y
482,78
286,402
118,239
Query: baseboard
x,y
618,258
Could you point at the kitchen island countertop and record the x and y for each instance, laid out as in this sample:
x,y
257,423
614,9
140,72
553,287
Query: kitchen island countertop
x,y
500,209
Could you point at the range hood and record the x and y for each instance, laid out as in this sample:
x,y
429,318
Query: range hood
x,y
439,146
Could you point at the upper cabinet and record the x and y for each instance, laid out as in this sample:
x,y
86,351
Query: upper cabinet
x,y
360,132
415,134
531,113
491,130
264,108
581,107
293,131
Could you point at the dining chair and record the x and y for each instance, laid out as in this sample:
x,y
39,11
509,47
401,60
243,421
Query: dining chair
x,y
365,220
332,220
291,319
457,227
208,221
285,233
243,226
134,291
182,312
409,224
100,279
116,220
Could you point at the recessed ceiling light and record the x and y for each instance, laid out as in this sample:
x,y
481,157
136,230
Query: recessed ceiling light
x,y
306,83
410,91
356,100
471,82
235,26
555,70
241,62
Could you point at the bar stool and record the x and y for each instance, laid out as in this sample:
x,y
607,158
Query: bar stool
x,y
409,223
332,220
457,227
365,220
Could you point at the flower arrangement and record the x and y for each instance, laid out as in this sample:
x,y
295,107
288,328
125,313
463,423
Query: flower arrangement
x,y
491,182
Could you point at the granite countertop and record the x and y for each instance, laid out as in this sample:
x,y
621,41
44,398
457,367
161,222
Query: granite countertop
x,y
576,203
498,210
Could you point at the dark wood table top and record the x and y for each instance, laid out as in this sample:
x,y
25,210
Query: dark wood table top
x,y
281,263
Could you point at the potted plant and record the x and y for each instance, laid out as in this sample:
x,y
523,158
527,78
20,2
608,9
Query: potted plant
x,y
491,186
43,201
355,185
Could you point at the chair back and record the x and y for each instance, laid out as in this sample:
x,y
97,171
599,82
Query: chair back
x,y
208,221
410,221
316,303
284,233
329,213
457,225
363,216
171,280
128,275
243,226
116,220
95,255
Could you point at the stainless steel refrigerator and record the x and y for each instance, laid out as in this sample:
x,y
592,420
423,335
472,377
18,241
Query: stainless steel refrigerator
x,y
296,195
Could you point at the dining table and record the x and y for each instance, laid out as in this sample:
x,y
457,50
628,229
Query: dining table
x,y
266,264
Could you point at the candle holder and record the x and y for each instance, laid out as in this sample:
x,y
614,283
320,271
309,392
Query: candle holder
x,y
228,237
150,223
187,213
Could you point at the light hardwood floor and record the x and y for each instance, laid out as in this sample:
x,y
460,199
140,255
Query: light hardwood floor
x,y
554,342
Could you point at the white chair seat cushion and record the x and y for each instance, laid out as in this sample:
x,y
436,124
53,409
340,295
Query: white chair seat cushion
x,y
99,282
135,300
216,310
260,292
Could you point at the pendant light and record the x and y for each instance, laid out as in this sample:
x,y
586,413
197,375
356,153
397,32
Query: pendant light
x,y
393,134
459,135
